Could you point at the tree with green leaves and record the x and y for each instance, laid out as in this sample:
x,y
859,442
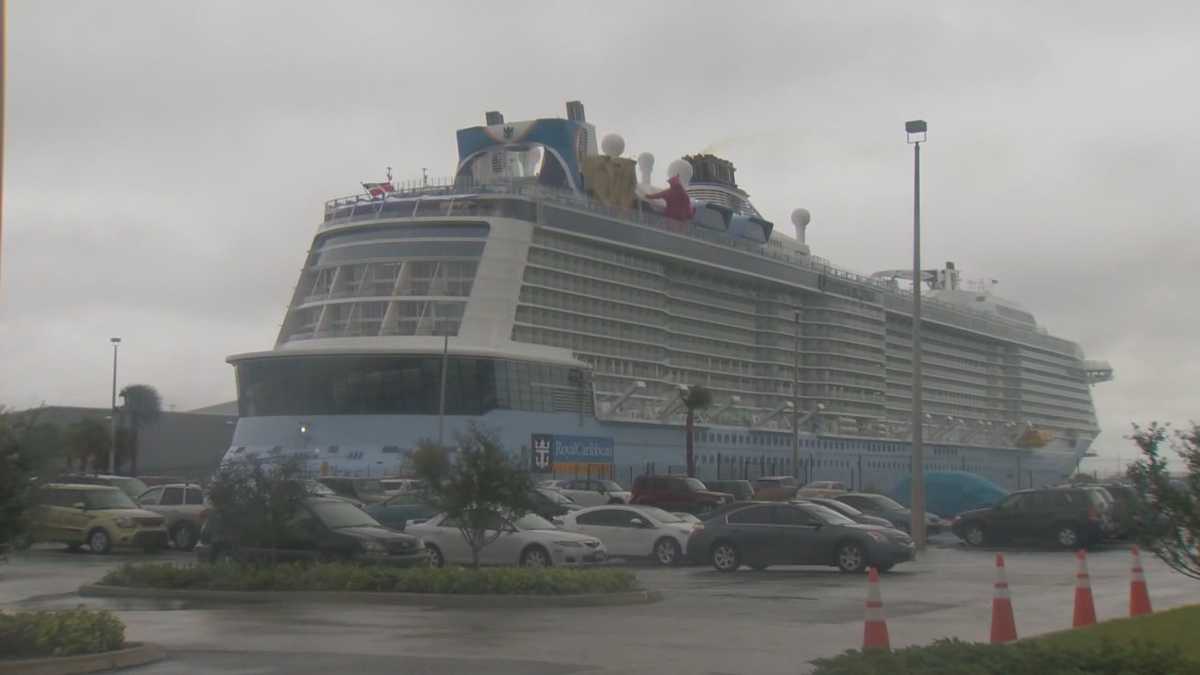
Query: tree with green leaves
x,y
477,488
141,407
1170,512
255,502
695,397
87,442
29,449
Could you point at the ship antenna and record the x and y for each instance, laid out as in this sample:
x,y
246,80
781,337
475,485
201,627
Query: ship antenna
x,y
424,176
389,174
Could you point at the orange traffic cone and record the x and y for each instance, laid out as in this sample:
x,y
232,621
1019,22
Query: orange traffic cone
x,y
1004,627
1139,595
1085,608
875,632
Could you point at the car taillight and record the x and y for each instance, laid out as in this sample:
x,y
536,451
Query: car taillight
x,y
1093,514
697,527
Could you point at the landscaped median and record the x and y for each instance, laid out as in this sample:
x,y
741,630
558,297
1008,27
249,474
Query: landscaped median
x,y
67,641
1156,644
347,582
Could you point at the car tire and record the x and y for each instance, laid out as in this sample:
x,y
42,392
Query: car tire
x,y
535,556
667,552
725,557
974,535
1068,536
183,537
436,559
850,557
99,541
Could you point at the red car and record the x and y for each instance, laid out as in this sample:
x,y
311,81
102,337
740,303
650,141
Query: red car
x,y
677,493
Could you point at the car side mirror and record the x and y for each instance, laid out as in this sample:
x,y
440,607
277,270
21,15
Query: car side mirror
x,y
80,505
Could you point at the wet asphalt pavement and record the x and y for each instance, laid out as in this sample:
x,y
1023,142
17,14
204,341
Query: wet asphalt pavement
x,y
767,622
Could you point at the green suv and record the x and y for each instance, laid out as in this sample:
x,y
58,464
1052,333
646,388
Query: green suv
x,y
97,516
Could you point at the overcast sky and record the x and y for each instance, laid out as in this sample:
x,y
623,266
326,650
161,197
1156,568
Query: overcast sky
x,y
166,163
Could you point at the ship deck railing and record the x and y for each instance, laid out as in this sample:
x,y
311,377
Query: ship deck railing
x,y
442,193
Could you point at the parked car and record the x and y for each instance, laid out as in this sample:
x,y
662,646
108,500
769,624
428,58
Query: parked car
x,y
677,493
890,510
1068,516
184,507
323,528
686,517
550,503
593,491
364,490
822,488
528,541
318,489
132,487
403,486
760,534
155,481
742,490
97,516
849,511
776,488
634,531
399,509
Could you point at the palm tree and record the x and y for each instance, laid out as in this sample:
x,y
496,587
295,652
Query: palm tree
x,y
695,397
142,407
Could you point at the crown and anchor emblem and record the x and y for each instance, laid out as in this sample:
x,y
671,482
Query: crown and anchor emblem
x,y
541,453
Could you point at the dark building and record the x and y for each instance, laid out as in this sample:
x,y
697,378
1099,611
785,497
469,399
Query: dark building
x,y
184,444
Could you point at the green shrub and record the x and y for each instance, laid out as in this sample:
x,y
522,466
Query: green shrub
x,y
351,577
953,657
59,633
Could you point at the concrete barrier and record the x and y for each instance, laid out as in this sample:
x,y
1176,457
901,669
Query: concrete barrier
x,y
134,654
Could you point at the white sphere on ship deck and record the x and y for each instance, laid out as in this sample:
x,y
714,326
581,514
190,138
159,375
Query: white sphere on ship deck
x,y
801,218
612,145
681,168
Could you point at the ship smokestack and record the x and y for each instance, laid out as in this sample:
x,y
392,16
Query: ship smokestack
x,y
575,111
493,118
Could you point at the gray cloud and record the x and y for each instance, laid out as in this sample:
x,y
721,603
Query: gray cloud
x,y
167,163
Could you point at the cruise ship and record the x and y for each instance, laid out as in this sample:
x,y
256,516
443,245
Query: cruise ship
x,y
542,293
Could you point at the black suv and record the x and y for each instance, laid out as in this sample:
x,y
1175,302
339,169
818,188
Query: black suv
x,y
323,528
1069,517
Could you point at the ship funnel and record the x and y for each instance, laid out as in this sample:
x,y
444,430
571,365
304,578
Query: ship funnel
x,y
575,111
800,219
493,118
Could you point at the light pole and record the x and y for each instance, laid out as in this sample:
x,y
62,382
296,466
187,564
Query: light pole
x,y
442,390
112,427
915,130
796,399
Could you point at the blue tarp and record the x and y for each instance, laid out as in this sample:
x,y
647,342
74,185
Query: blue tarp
x,y
949,493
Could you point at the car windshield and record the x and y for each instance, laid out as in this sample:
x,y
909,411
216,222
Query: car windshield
x,y
695,484
830,516
610,485
886,502
107,499
338,514
556,496
532,521
659,515
131,486
840,507
317,488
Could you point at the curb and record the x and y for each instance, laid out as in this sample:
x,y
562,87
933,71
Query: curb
x,y
447,600
136,654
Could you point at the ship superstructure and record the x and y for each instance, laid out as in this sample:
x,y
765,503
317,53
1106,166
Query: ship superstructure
x,y
565,306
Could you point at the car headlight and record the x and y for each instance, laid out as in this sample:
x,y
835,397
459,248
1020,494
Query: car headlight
x,y
124,521
877,536
373,547
568,544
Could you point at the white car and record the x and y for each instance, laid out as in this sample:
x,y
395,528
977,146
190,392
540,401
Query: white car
x,y
528,541
593,491
634,531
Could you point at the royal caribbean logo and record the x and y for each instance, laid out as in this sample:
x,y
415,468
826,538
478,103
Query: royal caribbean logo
x,y
543,452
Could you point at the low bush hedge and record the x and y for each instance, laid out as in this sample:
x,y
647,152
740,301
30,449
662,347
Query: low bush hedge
x,y
351,577
1032,657
27,635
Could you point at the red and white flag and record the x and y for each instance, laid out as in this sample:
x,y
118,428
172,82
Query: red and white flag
x,y
377,190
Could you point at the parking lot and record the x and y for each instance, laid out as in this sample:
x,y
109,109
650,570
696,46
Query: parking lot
x,y
762,622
